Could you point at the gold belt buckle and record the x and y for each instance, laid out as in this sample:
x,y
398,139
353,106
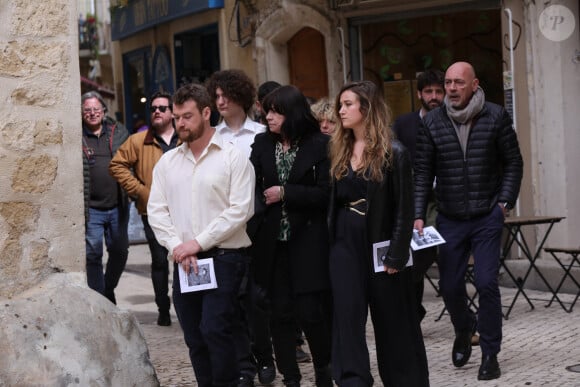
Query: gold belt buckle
x,y
351,206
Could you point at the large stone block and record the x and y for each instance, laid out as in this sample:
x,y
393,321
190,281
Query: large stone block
x,y
47,132
18,136
34,174
35,93
25,135
40,18
61,333
23,58
20,217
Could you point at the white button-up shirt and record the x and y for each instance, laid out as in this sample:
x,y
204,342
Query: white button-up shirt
x,y
209,200
243,138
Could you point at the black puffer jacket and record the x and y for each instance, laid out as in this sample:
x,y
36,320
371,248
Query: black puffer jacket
x,y
467,187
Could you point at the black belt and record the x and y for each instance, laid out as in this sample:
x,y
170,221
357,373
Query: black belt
x,y
216,251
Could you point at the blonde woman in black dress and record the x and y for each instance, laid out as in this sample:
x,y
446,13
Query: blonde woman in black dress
x,y
371,201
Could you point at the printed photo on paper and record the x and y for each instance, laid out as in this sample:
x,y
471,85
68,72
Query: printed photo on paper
x,y
204,279
380,250
430,238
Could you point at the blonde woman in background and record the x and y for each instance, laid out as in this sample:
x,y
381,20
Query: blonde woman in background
x,y
323,110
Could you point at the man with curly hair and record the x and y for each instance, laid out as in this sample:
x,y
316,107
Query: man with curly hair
x,y
233,94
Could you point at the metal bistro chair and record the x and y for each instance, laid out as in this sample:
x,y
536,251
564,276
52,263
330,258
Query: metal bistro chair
x,y
567,267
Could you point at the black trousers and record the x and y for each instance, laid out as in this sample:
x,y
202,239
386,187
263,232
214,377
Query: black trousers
x,y
422,261
159,268
482,237
206,318
356,288
310,310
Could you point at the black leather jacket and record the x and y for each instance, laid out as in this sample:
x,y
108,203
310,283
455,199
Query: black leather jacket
x,y
389,214
470,186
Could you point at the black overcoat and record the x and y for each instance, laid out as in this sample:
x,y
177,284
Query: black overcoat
x,y
306,200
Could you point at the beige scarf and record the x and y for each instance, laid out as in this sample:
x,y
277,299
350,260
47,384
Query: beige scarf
x,y
464,116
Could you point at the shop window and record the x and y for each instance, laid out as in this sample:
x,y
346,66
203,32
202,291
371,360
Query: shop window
x,y
394,51
196,55
136,72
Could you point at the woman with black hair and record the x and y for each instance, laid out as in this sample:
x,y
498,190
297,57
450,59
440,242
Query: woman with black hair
x,y
289,233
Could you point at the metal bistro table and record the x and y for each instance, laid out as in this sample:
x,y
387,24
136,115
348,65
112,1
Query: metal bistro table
x,y
514,227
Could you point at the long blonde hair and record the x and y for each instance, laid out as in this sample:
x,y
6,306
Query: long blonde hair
x,y
377,153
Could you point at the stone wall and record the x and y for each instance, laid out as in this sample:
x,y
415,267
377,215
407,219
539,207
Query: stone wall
x,y
41,202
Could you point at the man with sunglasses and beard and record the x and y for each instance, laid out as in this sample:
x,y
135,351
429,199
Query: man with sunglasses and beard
x,y
430,91
132,166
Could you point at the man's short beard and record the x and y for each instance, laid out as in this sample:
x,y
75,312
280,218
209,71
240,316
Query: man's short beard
x,y
192,135
426,105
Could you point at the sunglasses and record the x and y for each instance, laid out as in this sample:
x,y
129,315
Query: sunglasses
x,y
162,109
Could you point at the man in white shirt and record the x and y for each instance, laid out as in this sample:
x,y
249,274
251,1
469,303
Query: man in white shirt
x,y
201,198
233,95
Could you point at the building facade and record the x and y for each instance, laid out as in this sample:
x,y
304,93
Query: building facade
x,y
526,54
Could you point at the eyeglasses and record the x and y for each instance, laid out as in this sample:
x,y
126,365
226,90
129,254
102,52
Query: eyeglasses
x,y
161,108
92,110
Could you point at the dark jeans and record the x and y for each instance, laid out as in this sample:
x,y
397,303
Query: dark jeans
x,y
159,268
482,237
206,320
112,224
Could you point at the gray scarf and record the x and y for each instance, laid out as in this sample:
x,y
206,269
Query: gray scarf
x,y
464,116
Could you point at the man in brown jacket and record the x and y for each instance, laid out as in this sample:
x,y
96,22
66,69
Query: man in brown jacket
x,y
132,166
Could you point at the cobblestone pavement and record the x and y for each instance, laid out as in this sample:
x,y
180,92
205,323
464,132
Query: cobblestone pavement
x,y
537,347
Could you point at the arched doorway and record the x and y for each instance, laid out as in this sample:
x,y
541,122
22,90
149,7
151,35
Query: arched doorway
x,y
307,62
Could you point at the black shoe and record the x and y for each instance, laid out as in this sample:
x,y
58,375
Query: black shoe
x,y
292,384
461,348
164,319
489,368
267,374
322,377
245,381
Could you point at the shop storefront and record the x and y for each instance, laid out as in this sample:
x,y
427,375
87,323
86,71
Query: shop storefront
x,y
391,48
162,45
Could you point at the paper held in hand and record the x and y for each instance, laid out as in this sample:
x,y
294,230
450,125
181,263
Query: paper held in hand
x,y
380,250
204,279
430,238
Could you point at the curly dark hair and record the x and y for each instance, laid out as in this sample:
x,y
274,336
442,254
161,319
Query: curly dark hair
x,y
235,85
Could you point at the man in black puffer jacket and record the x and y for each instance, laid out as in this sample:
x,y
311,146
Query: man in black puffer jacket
x,y
470,147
